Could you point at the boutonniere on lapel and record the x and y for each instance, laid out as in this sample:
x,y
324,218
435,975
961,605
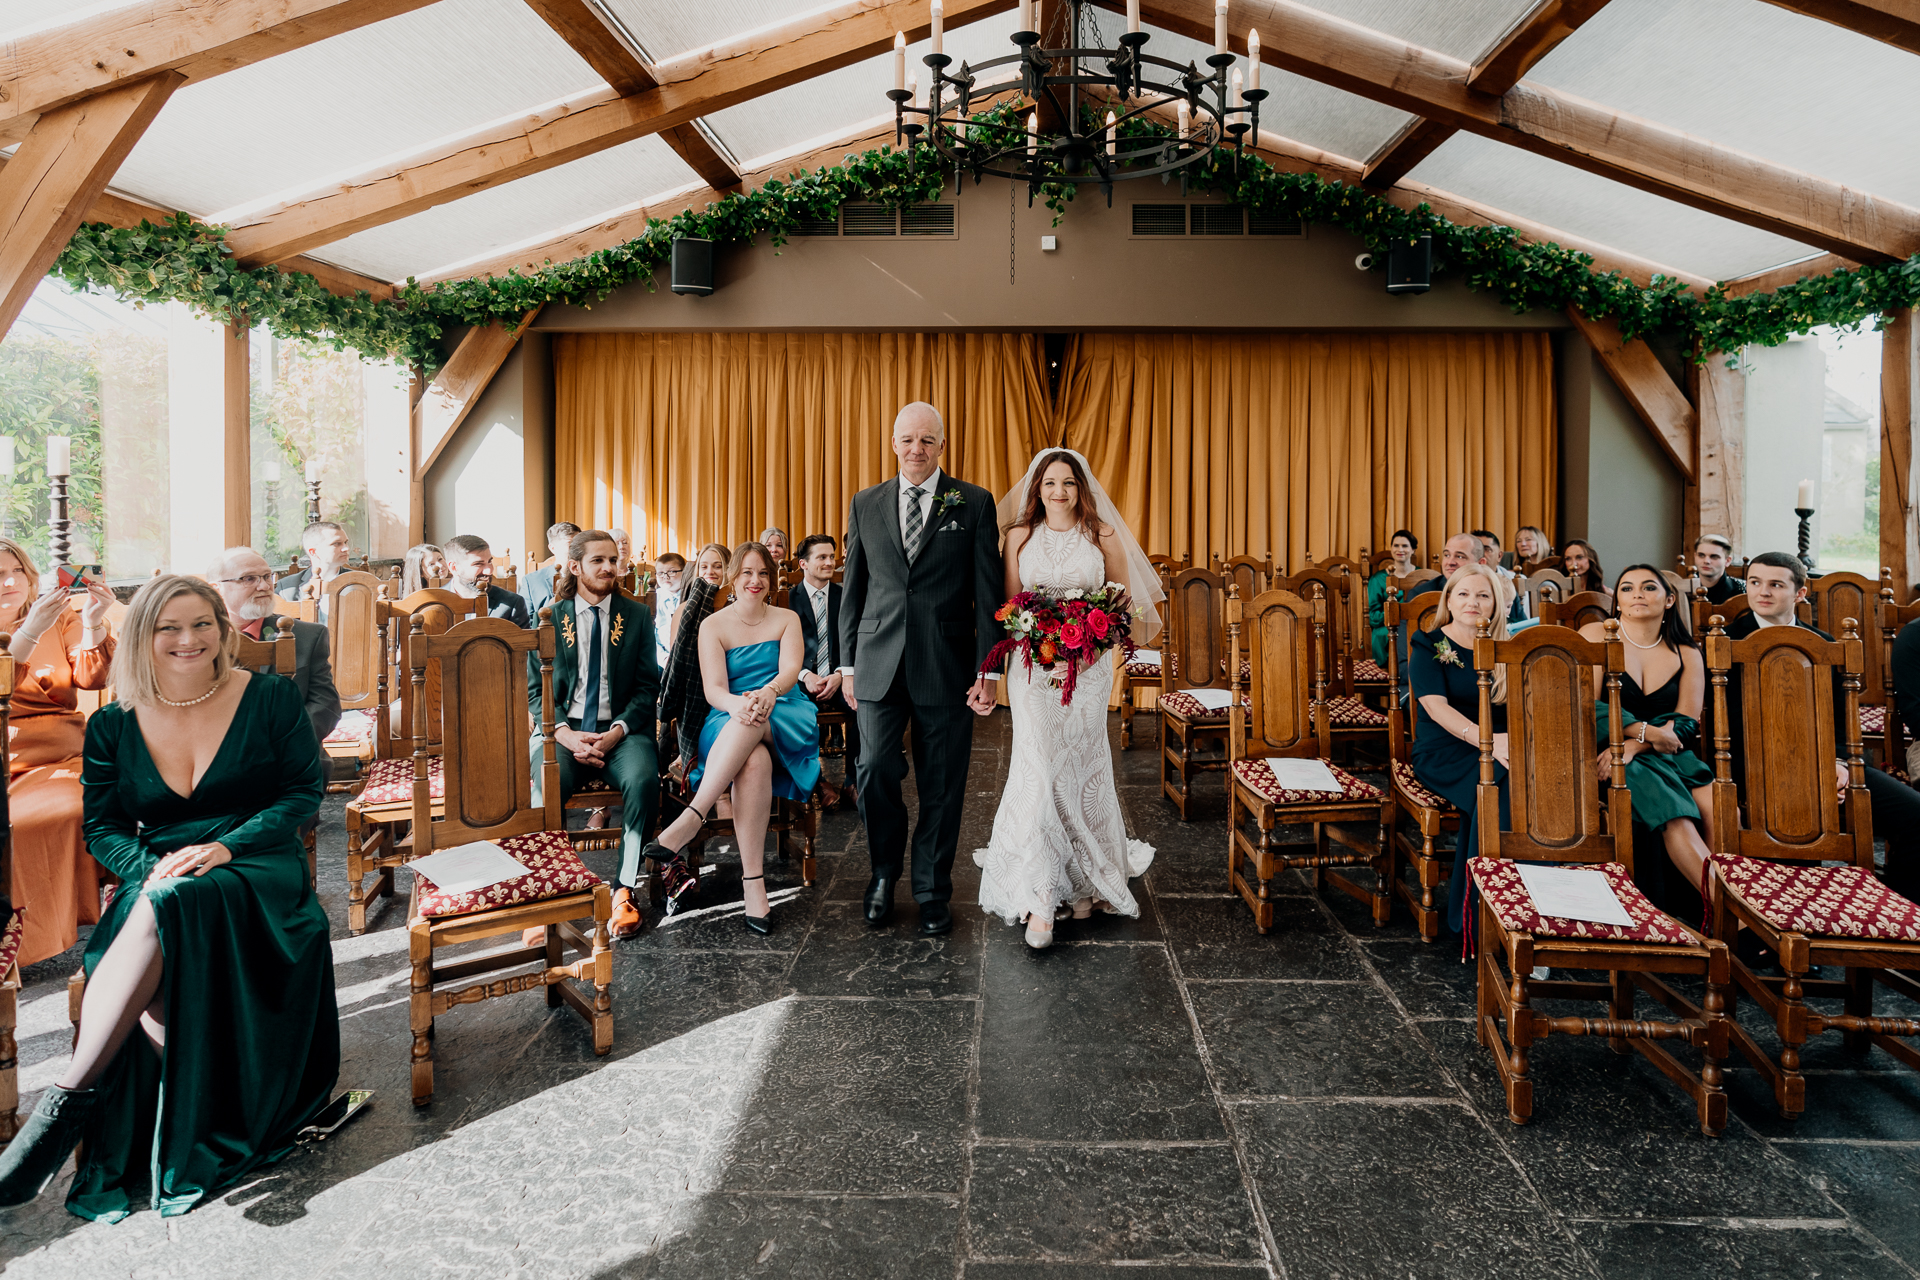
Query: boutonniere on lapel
x,y
566,629
619,625
947,500
1446,653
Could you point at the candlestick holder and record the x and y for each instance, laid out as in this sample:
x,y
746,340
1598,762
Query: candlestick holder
x,y
59,528
313,502
1806,535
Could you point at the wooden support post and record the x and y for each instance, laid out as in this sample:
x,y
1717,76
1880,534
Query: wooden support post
x,y
417,474
236,375
1643,380
1719,496
458,385
60,169
1899,390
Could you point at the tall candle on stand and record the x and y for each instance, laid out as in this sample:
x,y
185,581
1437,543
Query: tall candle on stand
x,y
1033,132
313,472
899,59
937,16
1804,502
1133,15
1235,82
913,91
1111,136
59,455
1220,26
1253,59
1026,15
1183,119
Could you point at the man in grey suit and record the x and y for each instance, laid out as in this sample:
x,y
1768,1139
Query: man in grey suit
x,y
921,585
245,581
538,588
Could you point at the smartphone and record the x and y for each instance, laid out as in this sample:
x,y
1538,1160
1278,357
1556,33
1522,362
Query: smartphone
x,y
335,1114
72,577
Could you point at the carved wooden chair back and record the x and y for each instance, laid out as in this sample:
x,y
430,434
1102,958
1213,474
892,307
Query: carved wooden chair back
x,y
1704,611
1251,574
1377,561
275,652
421,705
1402,617
1531,567
1542,585
1337,590
356,647
1677,582
1339,564
482,672
1554,795
1785,806
1167,566
1277,634
1196,632
1408,585
1835,597
1577,610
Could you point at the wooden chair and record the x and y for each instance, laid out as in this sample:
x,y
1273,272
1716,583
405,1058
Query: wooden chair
x,y
11,932
1193,655
384,802
795,825
1774,830
488,783
1286,717
1542,585
1144,671
1250,574
1353,722
1341,564
1558,818
1431,814
1833,598
357,651
1893,735
1577,610
1532,567
1705,610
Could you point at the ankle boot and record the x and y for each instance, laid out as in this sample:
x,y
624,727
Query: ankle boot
x,y
44,1143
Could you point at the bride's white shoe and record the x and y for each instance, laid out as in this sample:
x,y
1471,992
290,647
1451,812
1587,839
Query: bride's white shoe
x,y
1039,939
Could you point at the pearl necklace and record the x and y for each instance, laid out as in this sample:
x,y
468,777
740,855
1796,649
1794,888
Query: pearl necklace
x,y
192,702
1658,640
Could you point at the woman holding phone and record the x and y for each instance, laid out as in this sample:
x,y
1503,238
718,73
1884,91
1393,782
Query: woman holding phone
x,y
57,652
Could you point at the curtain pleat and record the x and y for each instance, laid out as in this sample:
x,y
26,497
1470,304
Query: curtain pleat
x,y
1321,444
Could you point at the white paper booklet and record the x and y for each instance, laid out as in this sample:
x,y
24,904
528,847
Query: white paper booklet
x,y
1570,893
1296,774
1146,655
468,868
1211,699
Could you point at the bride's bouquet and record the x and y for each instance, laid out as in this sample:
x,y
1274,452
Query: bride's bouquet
x,y
1072,627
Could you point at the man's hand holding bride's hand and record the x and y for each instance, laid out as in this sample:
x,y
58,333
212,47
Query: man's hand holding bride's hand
x,y
980,697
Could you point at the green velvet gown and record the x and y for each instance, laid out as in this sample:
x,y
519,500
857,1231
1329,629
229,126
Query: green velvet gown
x,y
253,1038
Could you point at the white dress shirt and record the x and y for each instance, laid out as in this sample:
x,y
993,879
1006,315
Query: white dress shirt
x,y
583,628
818,600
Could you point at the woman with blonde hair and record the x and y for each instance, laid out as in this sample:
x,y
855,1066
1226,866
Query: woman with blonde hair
x,y
211,974
56,652
1446,696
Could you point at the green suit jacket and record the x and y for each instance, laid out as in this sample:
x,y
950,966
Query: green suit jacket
x,y
632,669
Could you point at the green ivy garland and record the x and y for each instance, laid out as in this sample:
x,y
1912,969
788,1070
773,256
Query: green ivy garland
x,y
188,261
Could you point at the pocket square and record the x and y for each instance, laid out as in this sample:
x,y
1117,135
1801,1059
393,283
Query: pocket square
x,y
951,526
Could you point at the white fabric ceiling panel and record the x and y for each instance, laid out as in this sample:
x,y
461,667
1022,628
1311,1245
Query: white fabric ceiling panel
x,y
669,28
1464,29
18,17
1799,92
1594,208
493,220
344,103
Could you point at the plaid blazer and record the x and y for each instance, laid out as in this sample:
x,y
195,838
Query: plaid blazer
x,y
683,695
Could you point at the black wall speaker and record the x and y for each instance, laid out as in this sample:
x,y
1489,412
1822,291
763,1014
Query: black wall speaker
x,y
693,267
1409,266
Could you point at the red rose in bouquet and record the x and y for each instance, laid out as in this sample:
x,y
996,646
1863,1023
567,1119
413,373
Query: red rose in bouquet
x,y
1073,627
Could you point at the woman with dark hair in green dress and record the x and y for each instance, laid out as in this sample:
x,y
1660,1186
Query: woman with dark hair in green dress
x,y
208,1034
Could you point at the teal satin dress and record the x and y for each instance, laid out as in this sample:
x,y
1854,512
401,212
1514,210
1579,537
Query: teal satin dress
x,y
253,1036
795,740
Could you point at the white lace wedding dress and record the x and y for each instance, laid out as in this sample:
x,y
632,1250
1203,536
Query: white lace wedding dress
x,y
1058,836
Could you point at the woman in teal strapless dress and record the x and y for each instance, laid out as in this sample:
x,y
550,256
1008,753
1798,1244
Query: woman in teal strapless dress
x,y
762,735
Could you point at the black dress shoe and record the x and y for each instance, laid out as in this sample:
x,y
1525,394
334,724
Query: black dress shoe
x,y
879,900
935,918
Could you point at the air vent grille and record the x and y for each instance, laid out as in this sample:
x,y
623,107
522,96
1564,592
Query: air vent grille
x,y
927,220
1272,224
1218,220
816,227
1159,219
868,220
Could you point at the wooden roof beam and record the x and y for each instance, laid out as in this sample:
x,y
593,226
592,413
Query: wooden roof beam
x,y
58,172
1647,156
1780,277
457,387
1537,35
582,24
1897,22
196,38
1659,402
692,85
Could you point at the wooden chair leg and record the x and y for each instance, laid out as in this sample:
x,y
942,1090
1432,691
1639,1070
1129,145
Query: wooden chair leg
x,y
1383,871
1859,1003
9,1054
554,958
1619,1007
356,875
1790,1090
602,974
1126,719
420,1010
1263,868
1519,1073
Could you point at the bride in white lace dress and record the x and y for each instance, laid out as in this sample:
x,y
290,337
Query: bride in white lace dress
x,y
1059,837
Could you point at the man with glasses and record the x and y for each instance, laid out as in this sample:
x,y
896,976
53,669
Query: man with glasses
x,y
245,581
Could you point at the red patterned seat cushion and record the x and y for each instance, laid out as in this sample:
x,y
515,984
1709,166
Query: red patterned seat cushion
x,y
354,727
1143,670
1503,890
1258,778
1834,902
552,870
1873,721
391,781
1412,788
10,939
1185,706
1351,713
1367,671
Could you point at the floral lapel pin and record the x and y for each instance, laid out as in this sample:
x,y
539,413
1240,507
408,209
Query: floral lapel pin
x,y
566,629
1446,653
948,500
619,625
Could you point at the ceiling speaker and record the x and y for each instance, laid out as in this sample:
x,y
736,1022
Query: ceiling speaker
x,y
693,267
1410,266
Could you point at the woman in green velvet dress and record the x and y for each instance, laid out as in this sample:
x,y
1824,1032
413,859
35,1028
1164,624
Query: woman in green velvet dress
x,y
215,951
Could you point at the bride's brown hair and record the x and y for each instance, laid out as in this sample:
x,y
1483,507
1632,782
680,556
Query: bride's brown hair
x,y
1084,515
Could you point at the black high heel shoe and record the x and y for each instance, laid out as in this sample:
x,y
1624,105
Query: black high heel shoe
x,y
761,925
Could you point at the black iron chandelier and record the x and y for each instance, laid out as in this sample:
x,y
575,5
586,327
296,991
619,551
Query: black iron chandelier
x,y
1078,147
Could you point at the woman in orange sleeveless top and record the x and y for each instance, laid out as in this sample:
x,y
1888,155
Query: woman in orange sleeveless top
x,y
56,652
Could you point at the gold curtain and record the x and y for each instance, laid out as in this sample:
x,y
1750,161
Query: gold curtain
x,y
687,438
1289,444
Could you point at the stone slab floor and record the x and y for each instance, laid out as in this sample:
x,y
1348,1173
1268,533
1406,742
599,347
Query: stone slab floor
x,y
1173,1098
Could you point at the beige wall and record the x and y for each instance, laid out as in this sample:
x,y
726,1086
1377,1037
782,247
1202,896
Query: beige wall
x,y
494,478
1618,490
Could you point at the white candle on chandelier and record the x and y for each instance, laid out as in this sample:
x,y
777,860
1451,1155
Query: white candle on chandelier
x,y
1253,59
1033,132
938,15
1026,15
1804,501
1133,15
913,91
1236,101
1183,118
899,59
1112,136
1220,26
60,456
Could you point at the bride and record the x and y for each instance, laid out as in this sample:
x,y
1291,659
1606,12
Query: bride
x,y
1058,836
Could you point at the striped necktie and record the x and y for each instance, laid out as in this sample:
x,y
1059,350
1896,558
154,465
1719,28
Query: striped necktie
x,y
914,522
821,655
